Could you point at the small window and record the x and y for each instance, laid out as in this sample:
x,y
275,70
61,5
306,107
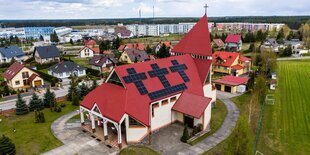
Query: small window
x,y
17,83
164,102
155,105
173,99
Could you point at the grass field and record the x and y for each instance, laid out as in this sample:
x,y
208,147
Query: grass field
x,y
138,150
30,137
286,125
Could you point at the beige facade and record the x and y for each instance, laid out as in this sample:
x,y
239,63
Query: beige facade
x,y
39,60
21,80
125,58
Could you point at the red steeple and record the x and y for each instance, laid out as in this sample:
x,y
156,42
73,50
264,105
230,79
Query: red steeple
x,y
196,41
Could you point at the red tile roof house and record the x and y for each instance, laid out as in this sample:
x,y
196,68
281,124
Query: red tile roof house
x,y
18,76
88,52
90,43
231,84
138,99
230,63
103,63
160,44
233,42
137,46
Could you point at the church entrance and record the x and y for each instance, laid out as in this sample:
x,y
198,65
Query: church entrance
x,y
189,121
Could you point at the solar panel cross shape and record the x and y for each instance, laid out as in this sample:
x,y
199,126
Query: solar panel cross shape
x,y
160,73
136,78
180,69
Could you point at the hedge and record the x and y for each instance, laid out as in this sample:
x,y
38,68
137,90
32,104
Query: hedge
x,y
53,80
93,72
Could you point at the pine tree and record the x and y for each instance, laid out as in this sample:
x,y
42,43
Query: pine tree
x,y
185,135
71,42
41,38
49,98
163,52
72,89
35,103
75,99
21,106
7,147
94,85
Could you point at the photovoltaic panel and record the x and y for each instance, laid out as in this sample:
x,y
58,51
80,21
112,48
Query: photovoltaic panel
x,y
167,91
136,78
180,68
160,73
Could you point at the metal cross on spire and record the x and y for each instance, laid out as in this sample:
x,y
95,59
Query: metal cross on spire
x,y
206,8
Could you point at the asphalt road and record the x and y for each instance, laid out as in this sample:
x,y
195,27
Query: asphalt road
x,y
9,104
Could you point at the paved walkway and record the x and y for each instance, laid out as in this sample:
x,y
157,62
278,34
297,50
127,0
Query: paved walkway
x,y
221,134
75,141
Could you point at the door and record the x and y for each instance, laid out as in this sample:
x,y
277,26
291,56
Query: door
x,y
228,89
37,83
189,121
218,87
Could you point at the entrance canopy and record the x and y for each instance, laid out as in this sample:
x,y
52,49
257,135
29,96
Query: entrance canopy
x,y
191,104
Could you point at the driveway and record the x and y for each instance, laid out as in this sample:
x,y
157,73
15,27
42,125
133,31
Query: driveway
x,y
75,141
167,140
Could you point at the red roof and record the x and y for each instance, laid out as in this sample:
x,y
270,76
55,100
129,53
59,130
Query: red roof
x,y
197,105
273,81
197,40
226,58
96,50
237,67
90,42
138,46
13,70
203,68
232,80
167,43
243,58
219,42
129,100
107,52
32,77
233,38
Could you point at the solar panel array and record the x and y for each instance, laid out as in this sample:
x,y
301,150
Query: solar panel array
x,y
167,91
137,79
160,73
180,68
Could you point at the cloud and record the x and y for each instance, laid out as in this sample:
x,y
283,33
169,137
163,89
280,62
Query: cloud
x,y
56,9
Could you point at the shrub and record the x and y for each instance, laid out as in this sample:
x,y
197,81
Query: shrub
x,y
53,80
62,105
7,146
197,129
93,72
185,135
39,116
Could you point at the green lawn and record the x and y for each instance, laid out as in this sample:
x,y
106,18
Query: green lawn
x,y
81,61
30,137
138,150
286,125
219,113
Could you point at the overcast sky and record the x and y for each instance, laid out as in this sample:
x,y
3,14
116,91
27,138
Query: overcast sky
x,y
85,9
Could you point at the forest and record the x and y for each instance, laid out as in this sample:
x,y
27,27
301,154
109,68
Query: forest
x,y
294,22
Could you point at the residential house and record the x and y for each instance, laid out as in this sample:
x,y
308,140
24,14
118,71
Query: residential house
x,y
270,43
137,46
160,44
7,54
90,42
231,84
297,47
132,55
122,32
230,63
139,99
273,84
46,54
103,63
18,76
218,44
66,69
87,52
233,42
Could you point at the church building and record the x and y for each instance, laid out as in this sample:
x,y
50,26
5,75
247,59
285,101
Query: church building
x,y
138,99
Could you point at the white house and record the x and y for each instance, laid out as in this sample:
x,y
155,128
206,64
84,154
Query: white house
x,y
233,42
87,52
46,54
11,52
66,69
138,99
